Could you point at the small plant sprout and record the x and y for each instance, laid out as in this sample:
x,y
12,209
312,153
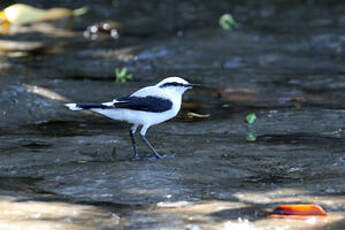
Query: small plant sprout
x,y
227,22
250,137
121,75
250,119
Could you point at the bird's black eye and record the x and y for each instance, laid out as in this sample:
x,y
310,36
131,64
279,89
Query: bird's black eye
x,y
171,84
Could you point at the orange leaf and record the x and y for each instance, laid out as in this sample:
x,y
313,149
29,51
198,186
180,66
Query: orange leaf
x,y
298,211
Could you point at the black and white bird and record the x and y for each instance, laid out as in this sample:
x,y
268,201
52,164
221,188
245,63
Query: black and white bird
x,y
146,107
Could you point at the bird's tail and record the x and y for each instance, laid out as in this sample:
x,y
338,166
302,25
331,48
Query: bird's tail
x,y
81,106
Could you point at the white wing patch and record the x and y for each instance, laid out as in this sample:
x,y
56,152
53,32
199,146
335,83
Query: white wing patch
x,y
72,106
110,103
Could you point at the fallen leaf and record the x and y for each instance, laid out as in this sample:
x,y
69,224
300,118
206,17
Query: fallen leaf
x,y
20,14
196,115
82,162
298,211
44,92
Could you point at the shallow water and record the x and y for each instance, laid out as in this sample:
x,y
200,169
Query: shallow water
x,y
70,170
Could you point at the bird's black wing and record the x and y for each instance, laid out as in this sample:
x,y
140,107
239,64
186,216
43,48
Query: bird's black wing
x,y
149,103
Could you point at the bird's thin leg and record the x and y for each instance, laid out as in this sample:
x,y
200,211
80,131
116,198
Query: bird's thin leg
x,y
131,134
157,155
142,134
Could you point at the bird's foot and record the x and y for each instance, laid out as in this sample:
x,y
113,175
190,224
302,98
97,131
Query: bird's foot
x,y
136,158
168,156
160,157
151,158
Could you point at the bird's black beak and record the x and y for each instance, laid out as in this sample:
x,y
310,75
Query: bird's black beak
x,y
192,85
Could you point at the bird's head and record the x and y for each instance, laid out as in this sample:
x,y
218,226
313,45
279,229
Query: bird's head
x,y
175,84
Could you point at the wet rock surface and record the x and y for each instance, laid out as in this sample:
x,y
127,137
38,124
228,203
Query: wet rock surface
x,y
283,62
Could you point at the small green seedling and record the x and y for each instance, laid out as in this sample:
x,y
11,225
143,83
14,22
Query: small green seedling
x,y
227,22
250,118
121,75
250,137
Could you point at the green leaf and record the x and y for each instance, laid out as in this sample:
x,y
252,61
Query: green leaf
x,y
121,75
226,21
130,76
123,72
250,118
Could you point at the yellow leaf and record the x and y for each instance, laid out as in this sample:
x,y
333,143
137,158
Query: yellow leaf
x,y
21,14
192,115
82,162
